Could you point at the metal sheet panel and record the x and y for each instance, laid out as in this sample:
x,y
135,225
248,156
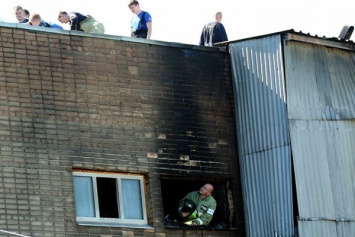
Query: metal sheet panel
x,y
323,153
260,93
326,229
266,192
262,134
320,101
320,82
346,229
317,229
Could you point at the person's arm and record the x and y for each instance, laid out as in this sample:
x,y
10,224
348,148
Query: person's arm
x,y
222,33
180,206
206,217
132,34
150,28
188,196
202,37
74,21
149,24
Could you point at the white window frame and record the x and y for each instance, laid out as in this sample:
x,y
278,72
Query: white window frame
x,y
121,221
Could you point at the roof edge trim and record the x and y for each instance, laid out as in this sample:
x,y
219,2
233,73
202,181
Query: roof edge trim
x,y
319,41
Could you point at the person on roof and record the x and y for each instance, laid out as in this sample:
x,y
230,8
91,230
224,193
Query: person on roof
x,y
213,32
36,20
80,22
141,23
26,13
20,14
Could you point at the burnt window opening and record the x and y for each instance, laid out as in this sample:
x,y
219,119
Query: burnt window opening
x,y
173,190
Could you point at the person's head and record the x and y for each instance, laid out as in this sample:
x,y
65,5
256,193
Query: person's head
x,y
218,16
134,6
35,19
63,17
19,13
26,13
206,190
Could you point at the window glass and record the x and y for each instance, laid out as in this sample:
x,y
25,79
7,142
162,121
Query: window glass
x,y
132,203
84,199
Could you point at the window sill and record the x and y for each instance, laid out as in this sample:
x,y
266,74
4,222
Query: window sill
x,y
179,225
108,224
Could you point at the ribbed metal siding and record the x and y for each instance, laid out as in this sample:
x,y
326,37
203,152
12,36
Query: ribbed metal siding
x,y
326,229
321,107
320,82
263,138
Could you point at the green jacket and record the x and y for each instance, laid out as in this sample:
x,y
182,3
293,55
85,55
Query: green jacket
x,y
204,208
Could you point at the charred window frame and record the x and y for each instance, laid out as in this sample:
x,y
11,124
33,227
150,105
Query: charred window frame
x,y
110,199
175,189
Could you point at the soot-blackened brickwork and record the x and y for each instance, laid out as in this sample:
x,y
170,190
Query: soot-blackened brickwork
x,y
109,104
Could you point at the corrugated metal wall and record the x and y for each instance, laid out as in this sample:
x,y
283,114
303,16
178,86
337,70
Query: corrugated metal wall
x,y
321,108
263,136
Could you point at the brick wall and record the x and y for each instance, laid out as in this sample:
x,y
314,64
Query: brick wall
x,y
111,104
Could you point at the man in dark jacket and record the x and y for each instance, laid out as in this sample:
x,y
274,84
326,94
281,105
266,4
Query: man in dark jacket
x,y
213,32
81,22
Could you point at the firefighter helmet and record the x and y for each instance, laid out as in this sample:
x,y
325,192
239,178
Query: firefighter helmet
x,y
188,206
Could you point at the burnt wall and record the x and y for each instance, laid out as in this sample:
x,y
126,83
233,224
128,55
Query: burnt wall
x,y
76,101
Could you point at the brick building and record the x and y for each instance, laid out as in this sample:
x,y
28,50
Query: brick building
x,y
84,118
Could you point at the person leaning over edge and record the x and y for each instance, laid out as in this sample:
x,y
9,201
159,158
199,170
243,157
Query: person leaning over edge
x,y
36,20
141,24
213,32
80,22
26,13
20,14
198,207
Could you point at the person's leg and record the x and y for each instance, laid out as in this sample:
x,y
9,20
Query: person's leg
x,y
90,25
98,27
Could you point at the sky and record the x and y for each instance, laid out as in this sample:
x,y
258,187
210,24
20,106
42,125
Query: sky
x,y
181,21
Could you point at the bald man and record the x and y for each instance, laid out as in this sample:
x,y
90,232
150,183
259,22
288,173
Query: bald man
x,y
202,202
213,32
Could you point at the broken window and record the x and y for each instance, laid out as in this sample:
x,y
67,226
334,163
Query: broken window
x,y
109,198
175,189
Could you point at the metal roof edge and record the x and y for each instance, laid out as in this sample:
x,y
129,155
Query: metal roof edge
x,y
255,37
329,42
292,35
